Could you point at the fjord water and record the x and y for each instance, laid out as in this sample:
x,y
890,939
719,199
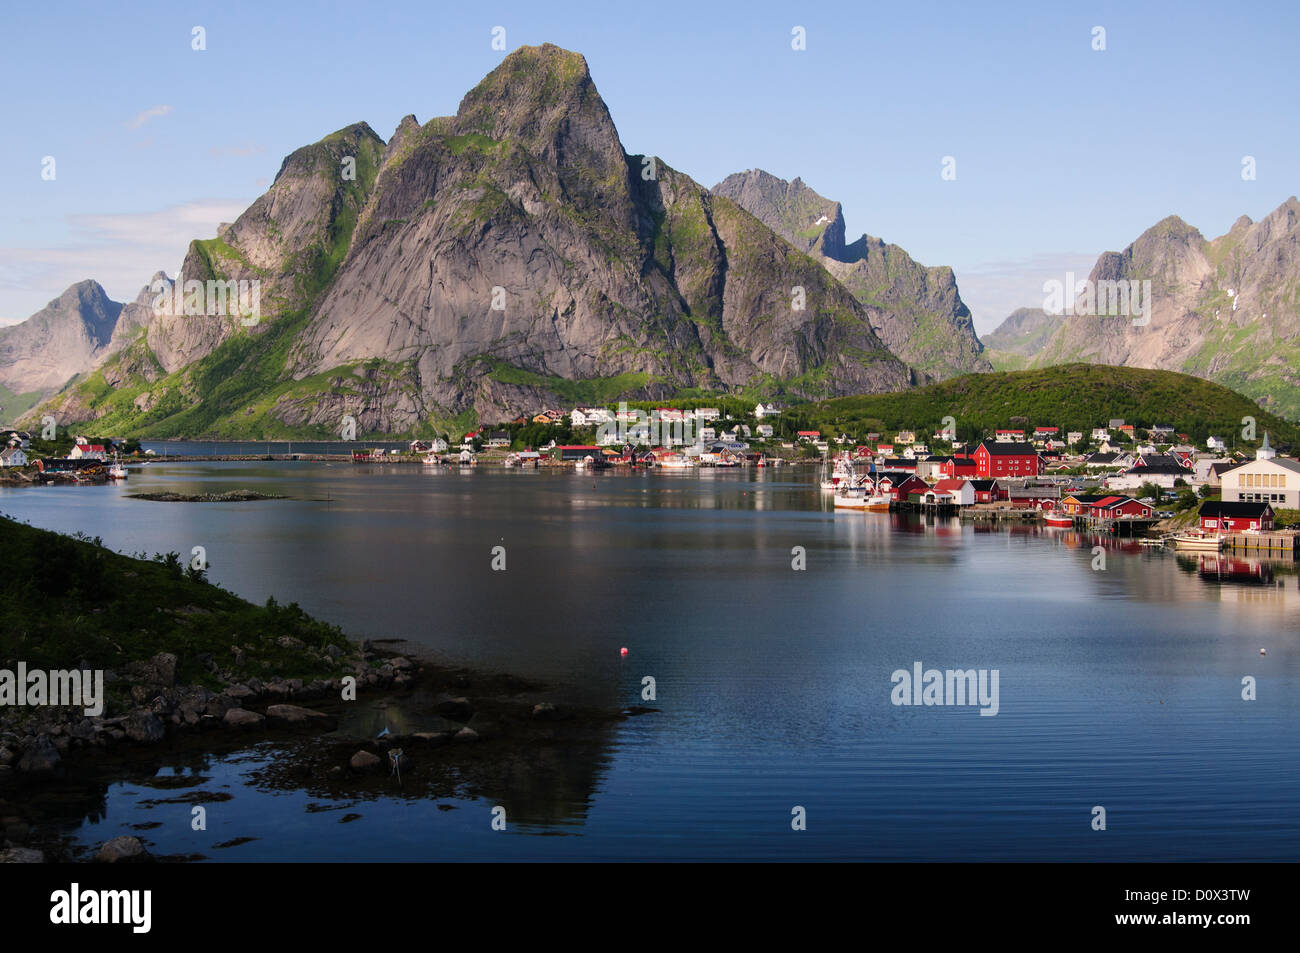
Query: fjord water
x,y
1119,687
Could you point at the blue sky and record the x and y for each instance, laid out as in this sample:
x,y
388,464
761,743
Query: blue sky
x,y
1061,151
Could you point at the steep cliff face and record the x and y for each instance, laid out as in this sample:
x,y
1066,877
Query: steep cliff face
x,y
64,338
916,311
1227,310
483,264
518,234
290,242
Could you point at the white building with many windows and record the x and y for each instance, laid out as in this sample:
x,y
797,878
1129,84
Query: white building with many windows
x,y
1266,479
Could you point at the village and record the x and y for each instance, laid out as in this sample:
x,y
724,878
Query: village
x,y
1119,478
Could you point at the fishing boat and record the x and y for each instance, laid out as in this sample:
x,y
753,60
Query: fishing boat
x,y
851,498
116,471
878,503
1058,519
842,476
1199,542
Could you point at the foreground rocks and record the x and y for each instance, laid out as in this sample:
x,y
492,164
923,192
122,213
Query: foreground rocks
x,y
36,741
122,850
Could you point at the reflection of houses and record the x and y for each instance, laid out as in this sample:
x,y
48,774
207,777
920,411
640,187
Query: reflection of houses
x,y
1221,516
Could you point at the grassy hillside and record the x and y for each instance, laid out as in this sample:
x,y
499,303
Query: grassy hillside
x,y
66,601
1069,396
13,406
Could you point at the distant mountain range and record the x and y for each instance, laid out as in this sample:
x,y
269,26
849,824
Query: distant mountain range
x,y
514,256
1227,310
915,310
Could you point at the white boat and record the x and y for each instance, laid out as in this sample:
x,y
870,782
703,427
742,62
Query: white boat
x,y
116,471
878,503
1199,542
842,476
851,498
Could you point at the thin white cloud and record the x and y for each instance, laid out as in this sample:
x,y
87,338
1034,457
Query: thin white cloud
x,y
992,290
153,112
121,252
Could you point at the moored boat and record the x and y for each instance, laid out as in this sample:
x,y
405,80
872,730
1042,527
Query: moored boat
x,y
851,498
1058,519
1199,542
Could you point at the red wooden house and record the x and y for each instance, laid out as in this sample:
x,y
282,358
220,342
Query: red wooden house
x,y
1119,507
911,484
959,465
1218,516
999,460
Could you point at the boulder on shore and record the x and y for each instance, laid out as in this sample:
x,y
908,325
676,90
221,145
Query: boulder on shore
x,y
41,758
122,850
144,727
243,718
365,761
301,717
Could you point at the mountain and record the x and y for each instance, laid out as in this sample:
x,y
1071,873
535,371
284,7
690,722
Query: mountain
x,y
1020,337
66,337
1227,310
916,311
479,266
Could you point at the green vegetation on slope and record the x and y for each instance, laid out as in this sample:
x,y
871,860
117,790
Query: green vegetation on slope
x,y
67,602
1071,396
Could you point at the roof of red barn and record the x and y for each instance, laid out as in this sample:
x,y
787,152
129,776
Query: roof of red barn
x,y
810,433
996,449
950,483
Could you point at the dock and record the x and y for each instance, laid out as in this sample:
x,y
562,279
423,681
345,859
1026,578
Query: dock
x,y
1267,544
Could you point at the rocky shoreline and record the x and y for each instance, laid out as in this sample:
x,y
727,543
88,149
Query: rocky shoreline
x,y
504,717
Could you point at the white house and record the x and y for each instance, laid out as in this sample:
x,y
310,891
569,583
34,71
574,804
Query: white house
x,y
1215,443
1073,437
707,413
765,431
766,410
1266,479
89,451
1100,434
13,457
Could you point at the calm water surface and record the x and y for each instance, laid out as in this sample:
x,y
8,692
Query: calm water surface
x,y
1119,687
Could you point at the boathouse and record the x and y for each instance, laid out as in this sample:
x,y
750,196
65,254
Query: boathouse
x,y
1222,516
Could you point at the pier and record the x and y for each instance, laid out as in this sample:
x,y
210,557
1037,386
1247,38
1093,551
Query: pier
x,y
1268,544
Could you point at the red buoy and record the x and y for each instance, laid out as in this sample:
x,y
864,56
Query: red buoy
x,y
622,651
